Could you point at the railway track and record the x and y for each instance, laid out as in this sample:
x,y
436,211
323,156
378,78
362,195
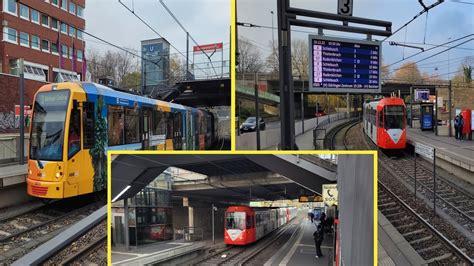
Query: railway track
x,y
452,200
434,238
89,249
337,137
432,246
45,224
253,254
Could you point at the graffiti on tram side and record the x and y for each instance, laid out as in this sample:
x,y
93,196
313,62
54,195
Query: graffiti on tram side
x,y
99,158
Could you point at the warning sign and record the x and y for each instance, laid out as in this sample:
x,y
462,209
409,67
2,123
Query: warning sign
x,y
330,194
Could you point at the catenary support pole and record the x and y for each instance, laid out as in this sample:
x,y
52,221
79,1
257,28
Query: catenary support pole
x,y
22,113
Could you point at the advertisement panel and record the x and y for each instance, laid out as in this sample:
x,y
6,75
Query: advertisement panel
x,y
208,47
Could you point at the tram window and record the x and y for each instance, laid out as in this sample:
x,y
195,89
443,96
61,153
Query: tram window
x,y
394,117
159,123
249,221
169,125
197,124
380,118
132,126
74,140
88,122
115,121
177,125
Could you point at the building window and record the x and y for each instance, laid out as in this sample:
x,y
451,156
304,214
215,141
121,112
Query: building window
x,y
54,24
55,2
24,39
80,11
72,8
45,20
54,48
9,6
79,55
10,35
72,31
79,34
64,4
24,12
64,50
33,72
63,28
45,46
35,16
35,42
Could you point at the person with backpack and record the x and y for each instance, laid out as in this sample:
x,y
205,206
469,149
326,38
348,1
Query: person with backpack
x,y
460,127
456,127
318,240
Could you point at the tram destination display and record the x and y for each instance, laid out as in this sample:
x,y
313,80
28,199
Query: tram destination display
x,y
339,65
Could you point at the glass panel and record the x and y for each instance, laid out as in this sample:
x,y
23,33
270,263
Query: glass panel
x,y
44,20
394,117
11,6
47,125
34,16
235,220
74,140
115,120
132,123
24,13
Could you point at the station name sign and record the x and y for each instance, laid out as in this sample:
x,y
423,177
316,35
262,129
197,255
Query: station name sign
x,y
339,65
310,198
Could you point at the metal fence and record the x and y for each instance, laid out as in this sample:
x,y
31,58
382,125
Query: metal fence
x,y
188,234
321,129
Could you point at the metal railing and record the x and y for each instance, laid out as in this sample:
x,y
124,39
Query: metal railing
x,y
188,234
321,128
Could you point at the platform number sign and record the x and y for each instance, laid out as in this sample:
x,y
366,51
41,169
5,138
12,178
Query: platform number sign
x,y
344,7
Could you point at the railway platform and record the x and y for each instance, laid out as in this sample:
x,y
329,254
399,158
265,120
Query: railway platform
x,y
456,156
13,185
303,251
156,253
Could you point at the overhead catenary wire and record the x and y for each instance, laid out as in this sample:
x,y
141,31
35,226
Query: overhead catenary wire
x,y
152,29
187,32
431,56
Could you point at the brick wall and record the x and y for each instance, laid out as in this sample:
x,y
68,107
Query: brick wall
x,y
10,95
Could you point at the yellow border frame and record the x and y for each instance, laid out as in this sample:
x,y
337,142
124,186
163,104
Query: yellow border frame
x,y
374,153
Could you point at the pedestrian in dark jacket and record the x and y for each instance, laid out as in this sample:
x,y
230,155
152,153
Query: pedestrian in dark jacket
x,y
312,217
318,240
456,127
323,220
461,126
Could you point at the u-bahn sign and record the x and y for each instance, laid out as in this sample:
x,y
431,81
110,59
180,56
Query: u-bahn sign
x,y
310,198
330,194
339,65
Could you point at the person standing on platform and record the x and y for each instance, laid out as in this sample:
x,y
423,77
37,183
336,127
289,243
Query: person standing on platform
x,y
318,240
456,127
323,220
311,216
461,126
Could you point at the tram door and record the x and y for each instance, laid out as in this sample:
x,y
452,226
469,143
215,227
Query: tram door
x,y
189,130
146,127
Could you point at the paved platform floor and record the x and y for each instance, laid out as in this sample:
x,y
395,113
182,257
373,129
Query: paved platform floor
x,y
304,251
460,150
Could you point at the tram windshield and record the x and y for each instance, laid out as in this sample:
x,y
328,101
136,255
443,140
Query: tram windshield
x,y
394,117
235,220
47,127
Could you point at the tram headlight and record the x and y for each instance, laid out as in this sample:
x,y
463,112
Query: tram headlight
x,y
59,174
30,172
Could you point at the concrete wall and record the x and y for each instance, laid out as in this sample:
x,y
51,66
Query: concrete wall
x,y
270,138
355,181
10,147
203,219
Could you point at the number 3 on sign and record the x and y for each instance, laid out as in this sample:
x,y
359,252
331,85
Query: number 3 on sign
x,y
344,7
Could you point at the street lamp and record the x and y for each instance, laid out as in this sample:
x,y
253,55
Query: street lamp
x,y
273,37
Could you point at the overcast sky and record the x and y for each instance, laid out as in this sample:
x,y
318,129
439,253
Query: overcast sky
x,y
208,21
450,19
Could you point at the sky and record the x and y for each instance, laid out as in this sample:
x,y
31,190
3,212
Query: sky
x,y
451,19
207,21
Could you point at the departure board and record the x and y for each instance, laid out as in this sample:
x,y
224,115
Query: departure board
x,y
344,65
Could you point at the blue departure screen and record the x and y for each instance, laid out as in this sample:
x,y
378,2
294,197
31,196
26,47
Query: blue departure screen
x,y
345,65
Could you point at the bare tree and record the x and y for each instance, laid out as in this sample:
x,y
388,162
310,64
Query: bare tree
x,y
299,58
177,71
250,57
407,73
124,65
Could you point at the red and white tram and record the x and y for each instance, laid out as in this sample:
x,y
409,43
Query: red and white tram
x,y
385,123
245,225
